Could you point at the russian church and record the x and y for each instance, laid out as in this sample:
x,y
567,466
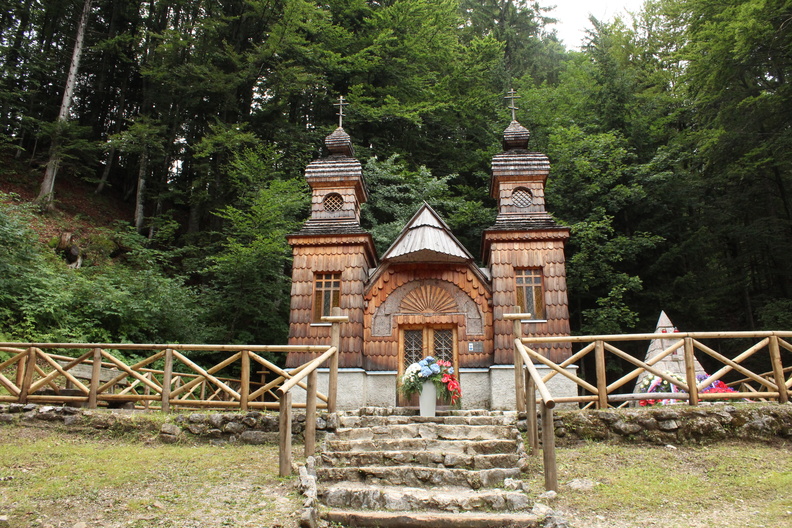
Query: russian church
x,y
426,295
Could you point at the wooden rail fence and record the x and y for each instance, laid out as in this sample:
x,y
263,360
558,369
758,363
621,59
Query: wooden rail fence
x,y
774,385
94,377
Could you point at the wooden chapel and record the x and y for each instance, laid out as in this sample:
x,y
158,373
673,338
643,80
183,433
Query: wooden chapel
x,y
426,295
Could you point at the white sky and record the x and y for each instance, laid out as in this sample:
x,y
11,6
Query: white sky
x,y
573,16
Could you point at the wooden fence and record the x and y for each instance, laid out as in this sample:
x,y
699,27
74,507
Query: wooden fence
x,y
527,382
94,377
595,390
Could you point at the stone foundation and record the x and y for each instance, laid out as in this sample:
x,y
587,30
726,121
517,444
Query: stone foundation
x,y
482,388
675,424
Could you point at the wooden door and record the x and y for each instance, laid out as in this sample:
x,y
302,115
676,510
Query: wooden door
x,y
415,343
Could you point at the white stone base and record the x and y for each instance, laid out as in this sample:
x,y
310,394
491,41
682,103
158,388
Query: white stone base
x,y
482,388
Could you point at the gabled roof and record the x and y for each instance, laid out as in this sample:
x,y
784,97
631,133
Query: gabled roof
x,y
426,238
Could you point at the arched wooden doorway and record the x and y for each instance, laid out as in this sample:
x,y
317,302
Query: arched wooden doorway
x,y
419,341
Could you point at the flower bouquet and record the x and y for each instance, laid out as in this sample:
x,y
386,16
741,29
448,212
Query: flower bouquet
x,y
436,371
652,383
715,387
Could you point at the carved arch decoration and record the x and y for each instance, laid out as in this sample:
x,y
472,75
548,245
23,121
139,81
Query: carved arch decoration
x,y
427,297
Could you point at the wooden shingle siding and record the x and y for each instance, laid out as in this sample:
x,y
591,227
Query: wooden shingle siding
x,y
549,256
381,352
352,257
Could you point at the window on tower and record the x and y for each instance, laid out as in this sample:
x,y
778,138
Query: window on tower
x,y
327,294
530,291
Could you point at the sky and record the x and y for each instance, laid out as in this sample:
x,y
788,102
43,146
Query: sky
x,y
573,15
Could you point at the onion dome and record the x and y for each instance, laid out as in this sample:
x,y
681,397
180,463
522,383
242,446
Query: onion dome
x,y
339,143
515,136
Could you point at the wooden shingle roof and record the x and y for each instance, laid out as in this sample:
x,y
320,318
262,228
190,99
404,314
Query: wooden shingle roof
x,y
426,238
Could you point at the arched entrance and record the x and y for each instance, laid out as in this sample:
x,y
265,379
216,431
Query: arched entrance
x,y
431,337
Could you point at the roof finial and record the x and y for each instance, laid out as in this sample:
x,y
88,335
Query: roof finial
x,y
511,95
515,136
341,104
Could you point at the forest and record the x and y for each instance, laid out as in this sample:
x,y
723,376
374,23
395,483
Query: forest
x,y
669,134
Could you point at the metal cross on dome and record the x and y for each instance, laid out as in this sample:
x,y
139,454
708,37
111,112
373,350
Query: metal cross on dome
x,y
511,95
341,104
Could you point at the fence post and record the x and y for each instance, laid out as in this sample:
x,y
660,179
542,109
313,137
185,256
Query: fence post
x,y
310,415
96,371
27,378
548,448
332,384
778,370
20,374
147,390
602,380
519,376
166,380
285,435
690,372
533,425
244,389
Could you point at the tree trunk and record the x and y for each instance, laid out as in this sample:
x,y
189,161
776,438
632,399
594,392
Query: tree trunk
x,y
140,204
46,194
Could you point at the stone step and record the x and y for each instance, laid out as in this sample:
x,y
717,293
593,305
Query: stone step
x,y
412,411
356,496
428,431
419,458
432,520
374,421
417,476
461,447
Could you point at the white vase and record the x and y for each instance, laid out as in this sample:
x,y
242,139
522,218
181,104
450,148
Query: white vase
x,y
428,399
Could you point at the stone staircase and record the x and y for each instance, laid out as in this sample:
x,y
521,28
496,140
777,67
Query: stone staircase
x,y
390,468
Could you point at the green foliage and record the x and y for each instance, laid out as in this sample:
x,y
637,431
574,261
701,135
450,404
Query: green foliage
x,y
399,194
248,292
669,136
43,300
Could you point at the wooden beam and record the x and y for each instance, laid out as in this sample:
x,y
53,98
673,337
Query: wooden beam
x,y
285,435
635,361
96,371
187,361
244,390
310,415
734,364
200,379
519,378
548,449
778,370
533,425
602,380
335,341
27,379
165,391
690,372
312,365
636,372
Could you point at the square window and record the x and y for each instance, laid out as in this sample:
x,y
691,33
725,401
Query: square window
x,y
327,294
530,292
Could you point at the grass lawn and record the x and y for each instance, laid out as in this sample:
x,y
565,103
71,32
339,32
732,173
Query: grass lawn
x,y
723,484
53,478
49,478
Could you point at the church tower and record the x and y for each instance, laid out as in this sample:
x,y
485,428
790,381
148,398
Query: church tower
x,y
332,254
524,250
